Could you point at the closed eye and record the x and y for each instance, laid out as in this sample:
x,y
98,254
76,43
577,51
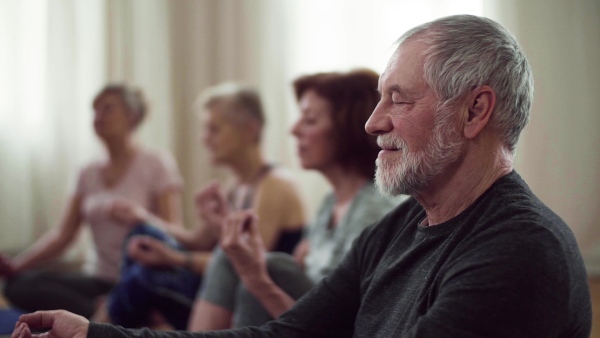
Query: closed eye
x,y
398,99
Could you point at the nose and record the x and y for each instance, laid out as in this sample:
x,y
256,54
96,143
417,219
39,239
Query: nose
x,y
379,122
98,115
294,130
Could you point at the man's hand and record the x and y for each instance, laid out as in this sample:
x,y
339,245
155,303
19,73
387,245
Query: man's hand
x,y
128,213
241,241
149,251
7,268
60,323
211,206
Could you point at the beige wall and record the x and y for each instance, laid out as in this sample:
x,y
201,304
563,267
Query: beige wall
x,y
559,152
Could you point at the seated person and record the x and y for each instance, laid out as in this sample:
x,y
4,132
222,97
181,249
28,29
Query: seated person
x,y
473,252
334,108
162,272
108,193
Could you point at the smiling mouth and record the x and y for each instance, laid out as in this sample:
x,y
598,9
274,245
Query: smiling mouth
x,y
390,148
388,151
389,144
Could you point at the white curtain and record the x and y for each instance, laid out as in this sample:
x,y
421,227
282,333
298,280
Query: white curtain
x,y
559,153
55,56
52,61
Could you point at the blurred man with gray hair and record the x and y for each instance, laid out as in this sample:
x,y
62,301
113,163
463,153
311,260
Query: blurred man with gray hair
x,y
473,253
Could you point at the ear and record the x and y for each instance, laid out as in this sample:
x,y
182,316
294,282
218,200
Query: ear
x,y
481,104
133,122
253,131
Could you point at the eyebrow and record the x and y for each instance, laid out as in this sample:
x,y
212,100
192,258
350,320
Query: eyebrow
x,y
400,90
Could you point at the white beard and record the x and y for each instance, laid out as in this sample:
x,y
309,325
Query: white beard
x,y
412,172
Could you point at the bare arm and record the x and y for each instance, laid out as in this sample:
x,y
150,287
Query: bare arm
x,y
53,242
152,252
168,211
201,238
279,208
244,247
169,207
211,209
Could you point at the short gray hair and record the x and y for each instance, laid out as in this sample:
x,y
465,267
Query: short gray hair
x,y
241,100
132,97
466,52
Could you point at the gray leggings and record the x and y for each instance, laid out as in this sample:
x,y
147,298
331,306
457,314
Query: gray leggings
x,y
222,286
43,290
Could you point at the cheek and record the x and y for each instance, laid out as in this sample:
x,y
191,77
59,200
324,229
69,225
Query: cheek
x,y
227,142
116,122
321,143
414,137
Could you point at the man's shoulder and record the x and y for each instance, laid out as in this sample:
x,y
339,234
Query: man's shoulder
x,y
512,226
513,207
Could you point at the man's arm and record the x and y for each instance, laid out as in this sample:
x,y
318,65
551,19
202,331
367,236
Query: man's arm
x,y
328,310
63,324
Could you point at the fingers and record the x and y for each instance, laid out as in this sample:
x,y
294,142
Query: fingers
x,y
21,331
207,191
300,252
222,204
252,226
134,246
211,199
39,319
139,247
237,227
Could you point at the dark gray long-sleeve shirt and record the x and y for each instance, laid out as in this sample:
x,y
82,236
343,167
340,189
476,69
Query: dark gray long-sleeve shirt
x,y
507,266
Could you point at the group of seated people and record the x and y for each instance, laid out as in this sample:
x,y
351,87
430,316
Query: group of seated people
x,y
472,253
153,271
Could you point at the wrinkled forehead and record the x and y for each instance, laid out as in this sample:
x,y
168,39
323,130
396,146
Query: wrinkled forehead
x,y
406,65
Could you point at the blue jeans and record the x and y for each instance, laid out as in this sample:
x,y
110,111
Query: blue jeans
x,y
140,290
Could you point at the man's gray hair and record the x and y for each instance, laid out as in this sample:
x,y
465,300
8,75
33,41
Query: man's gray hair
x,y
466,52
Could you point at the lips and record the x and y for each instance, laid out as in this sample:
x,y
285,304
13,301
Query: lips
x,y
389,143
390,148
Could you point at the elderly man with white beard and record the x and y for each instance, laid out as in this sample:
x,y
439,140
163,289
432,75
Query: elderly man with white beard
x,y
473,253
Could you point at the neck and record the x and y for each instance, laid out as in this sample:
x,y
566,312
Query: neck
x,y
248,165
346,184
452,192
120,149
